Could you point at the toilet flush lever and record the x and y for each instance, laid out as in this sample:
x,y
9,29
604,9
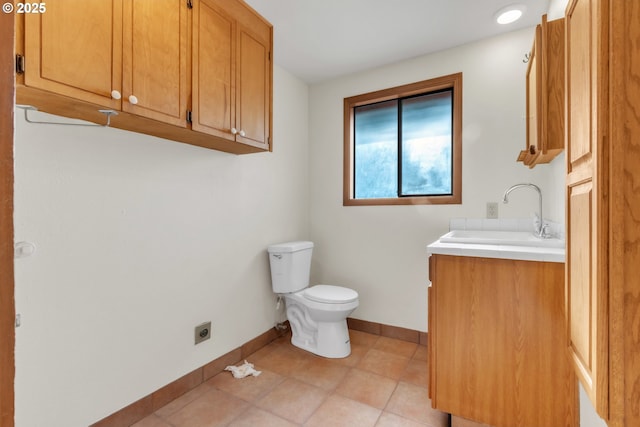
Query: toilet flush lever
x,y
278,256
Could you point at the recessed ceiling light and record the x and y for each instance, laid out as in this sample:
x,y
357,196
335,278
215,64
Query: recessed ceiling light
x,y
509,14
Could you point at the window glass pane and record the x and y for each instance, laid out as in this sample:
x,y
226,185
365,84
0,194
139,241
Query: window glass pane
x,y
376,150
426,144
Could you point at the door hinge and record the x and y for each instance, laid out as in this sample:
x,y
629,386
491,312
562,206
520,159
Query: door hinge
x,y
190,4
189,117
19,64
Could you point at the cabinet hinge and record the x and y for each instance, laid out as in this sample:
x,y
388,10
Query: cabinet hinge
x,y
190,4
189,117
19,64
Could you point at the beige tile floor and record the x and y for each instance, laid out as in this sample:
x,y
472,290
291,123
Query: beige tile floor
x,y
383,383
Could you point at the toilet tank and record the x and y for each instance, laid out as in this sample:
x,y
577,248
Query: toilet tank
x,y
290,266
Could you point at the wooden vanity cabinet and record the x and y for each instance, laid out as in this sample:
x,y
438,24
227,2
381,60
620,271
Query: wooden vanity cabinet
x,y
545,94
496,342
196,71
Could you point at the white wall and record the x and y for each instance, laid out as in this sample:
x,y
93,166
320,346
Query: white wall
x,y
138,240
380,251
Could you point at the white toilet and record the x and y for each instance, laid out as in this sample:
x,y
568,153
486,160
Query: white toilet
x,y
317,314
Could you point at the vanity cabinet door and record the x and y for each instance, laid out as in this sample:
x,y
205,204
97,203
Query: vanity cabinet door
x,y
431,329
496,342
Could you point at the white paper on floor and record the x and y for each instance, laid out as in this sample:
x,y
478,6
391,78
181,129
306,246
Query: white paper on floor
x,y
243,370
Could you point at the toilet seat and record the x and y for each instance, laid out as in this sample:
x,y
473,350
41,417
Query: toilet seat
x,y
330,294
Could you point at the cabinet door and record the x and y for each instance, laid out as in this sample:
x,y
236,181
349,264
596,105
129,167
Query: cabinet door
x,y
545,94
155,60
253,99
586,267
431,328
75,49
534,120
496,353
213,73
232,72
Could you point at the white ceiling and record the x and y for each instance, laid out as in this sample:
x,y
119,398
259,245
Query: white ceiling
x,y
316,40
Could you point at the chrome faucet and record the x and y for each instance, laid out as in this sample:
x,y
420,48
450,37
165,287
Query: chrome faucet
x,y
541,230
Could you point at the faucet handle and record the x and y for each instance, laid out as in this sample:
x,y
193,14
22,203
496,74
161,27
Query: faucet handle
x,y
545,234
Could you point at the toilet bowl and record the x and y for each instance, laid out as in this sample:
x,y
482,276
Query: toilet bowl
x,y
320,326
317,314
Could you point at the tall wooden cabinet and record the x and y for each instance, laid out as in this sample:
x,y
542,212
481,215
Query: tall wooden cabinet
x,y
587,210
603,204
196,71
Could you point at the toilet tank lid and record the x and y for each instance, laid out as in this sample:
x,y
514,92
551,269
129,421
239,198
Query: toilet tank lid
x,y
289,247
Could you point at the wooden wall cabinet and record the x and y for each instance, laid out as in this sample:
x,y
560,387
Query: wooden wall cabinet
x,y
603,204
75,49
169,67
496,342
128,56
545,94
154,62
231,79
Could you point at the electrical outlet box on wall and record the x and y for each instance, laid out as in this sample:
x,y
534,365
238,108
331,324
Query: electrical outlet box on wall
x,y
202,332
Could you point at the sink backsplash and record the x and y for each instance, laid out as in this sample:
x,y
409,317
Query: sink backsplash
x,y
556,229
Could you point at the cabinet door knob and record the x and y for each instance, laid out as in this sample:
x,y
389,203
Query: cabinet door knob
x,y
242,133
133,99
115,94
234,131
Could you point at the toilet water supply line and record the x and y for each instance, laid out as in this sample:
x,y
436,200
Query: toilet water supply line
x,y
280,326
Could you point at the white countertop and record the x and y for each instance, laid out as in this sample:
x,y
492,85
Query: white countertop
x,y
523,253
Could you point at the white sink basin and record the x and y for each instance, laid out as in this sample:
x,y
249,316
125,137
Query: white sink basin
x,y
510,238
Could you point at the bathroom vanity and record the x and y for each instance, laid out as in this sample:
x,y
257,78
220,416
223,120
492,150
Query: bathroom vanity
x,y
496,337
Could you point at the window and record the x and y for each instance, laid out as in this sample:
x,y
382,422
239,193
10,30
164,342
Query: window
x,y
404,145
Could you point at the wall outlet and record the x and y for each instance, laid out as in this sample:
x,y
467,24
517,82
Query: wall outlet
x,y
202,332
492,210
